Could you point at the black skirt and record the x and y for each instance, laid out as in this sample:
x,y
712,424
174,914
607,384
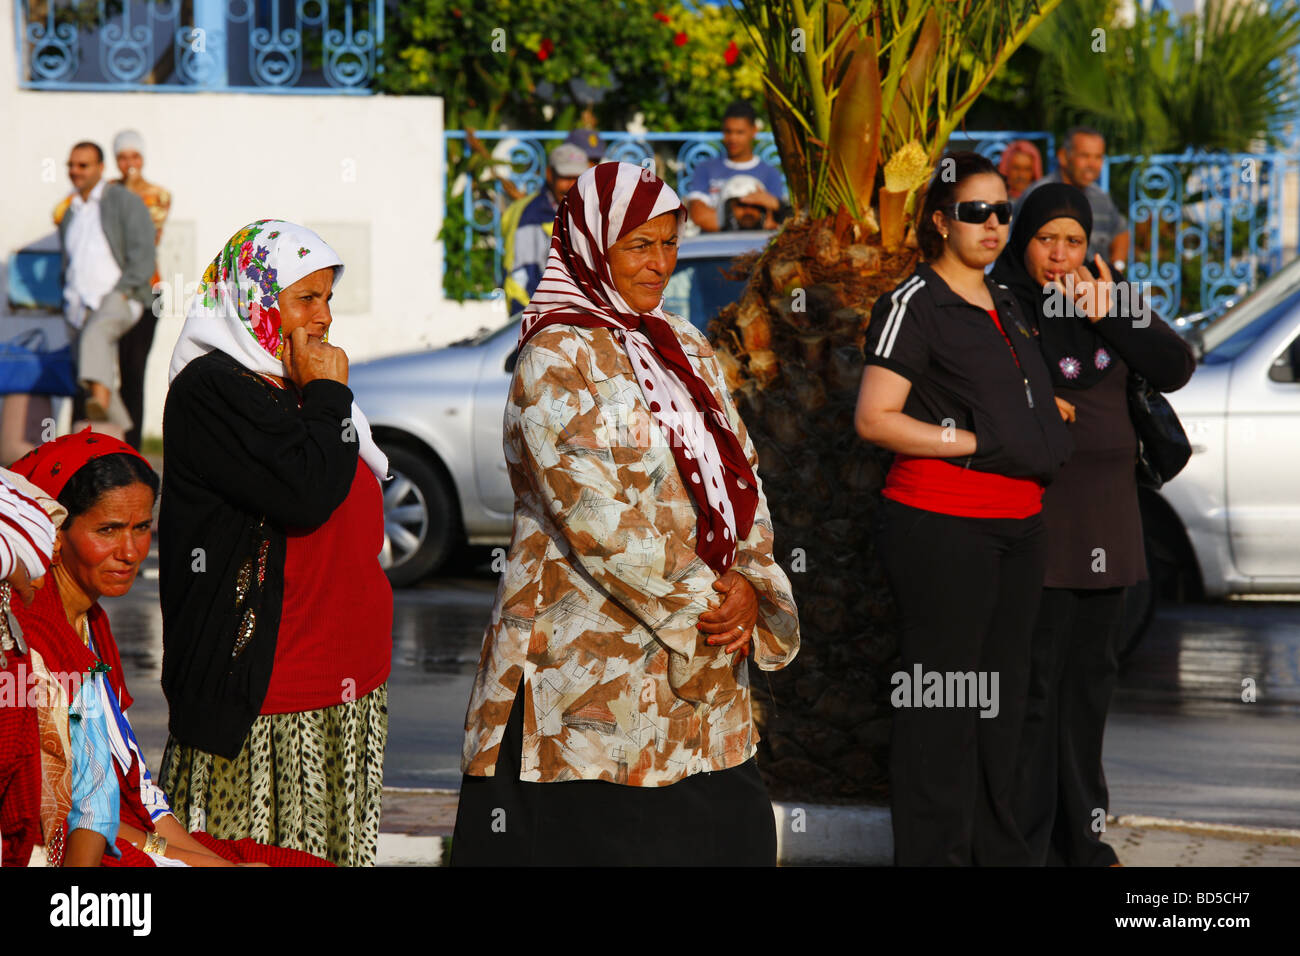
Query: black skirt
x,y
722,818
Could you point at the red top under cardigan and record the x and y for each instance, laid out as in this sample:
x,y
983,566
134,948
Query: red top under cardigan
x,y
336,626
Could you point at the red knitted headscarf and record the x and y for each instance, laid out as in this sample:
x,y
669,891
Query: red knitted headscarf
x,y
52,463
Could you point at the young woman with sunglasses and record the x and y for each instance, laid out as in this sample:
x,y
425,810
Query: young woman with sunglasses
x,y
956,386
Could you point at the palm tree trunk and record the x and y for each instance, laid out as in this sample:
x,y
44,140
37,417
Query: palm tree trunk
x,y
792,347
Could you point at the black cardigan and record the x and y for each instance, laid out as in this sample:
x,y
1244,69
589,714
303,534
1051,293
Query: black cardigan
x,y
242,463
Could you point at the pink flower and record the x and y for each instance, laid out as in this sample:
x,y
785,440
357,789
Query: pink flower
x,y
266,326
245,255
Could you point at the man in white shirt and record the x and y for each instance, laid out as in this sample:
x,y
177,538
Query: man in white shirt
x,y
703,199
108,264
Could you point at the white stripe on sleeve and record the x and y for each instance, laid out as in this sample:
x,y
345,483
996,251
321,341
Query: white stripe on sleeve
x,y
900,306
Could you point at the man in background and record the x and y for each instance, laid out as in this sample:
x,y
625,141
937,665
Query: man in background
x,y
738,209
526,226
107,239
1081,158
704,198
589,141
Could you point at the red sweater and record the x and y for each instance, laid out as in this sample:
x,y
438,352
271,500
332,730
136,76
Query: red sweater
x,y
335,641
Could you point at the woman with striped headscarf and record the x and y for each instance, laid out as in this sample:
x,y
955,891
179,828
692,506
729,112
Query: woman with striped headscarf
x,y
610,720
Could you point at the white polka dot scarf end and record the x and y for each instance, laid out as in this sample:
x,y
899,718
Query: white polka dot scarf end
x,y
608,202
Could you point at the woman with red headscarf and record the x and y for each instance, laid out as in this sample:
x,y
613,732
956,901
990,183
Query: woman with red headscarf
x,y
107,808
1021,166
610,720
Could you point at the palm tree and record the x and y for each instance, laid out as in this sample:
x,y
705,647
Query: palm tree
x,y
851,87
1158,83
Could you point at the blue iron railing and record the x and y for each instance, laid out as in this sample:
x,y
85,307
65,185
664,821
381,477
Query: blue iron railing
x,y
262,46
1206,227
993,143
520,158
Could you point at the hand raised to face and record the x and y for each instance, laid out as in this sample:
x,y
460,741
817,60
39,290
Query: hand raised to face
x,y
1093,294
307,358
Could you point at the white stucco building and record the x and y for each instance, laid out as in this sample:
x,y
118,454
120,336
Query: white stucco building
x,y
365,171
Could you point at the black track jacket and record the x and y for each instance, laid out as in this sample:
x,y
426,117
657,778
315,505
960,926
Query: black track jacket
x,y
964,375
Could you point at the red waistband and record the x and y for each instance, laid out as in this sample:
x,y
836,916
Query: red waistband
x,y
933,484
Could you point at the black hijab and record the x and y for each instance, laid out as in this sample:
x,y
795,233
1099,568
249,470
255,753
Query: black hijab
x,y
1076,355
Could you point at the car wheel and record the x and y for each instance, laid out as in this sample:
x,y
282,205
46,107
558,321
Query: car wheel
x,y
421,523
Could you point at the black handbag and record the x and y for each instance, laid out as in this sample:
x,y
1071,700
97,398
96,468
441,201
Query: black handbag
x,y
1163,448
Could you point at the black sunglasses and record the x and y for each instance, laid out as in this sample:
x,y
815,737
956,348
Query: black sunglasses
x,y
978,211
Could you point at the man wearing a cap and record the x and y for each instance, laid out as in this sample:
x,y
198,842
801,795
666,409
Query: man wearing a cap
x,y
589,141
133,348
526,225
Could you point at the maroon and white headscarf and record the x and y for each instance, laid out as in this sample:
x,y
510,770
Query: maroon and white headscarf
x,y
608,202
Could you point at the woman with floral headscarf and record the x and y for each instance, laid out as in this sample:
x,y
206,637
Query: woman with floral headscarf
x,y
610,720
277,618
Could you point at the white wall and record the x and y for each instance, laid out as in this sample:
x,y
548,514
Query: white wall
x,y
365,172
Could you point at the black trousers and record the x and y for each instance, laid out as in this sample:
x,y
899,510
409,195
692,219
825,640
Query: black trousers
x,y
722,818
967,590
132,355
1062,797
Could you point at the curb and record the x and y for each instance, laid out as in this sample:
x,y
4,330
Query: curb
x,y
812,834
807,834
1224,831
830,835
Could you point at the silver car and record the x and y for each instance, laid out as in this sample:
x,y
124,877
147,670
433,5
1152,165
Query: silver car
x,y
1229,523
438,415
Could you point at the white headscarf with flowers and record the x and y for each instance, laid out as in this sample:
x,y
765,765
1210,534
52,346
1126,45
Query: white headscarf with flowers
x,y
234,310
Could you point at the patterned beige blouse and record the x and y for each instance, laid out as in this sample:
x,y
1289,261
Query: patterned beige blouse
x,y
596,612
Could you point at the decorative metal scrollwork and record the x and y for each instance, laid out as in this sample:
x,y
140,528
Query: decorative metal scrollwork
x,y
1211,218
53,49
304,45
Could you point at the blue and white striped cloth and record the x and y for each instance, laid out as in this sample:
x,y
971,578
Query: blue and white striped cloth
x,y
125,748
96,799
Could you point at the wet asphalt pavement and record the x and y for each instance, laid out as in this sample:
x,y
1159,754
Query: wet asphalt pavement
x,y
1181,742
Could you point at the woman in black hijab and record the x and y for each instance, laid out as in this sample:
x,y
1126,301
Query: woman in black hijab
x,y
1092,333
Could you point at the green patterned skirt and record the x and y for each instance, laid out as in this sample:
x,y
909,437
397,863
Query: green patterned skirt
x,y
310,781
